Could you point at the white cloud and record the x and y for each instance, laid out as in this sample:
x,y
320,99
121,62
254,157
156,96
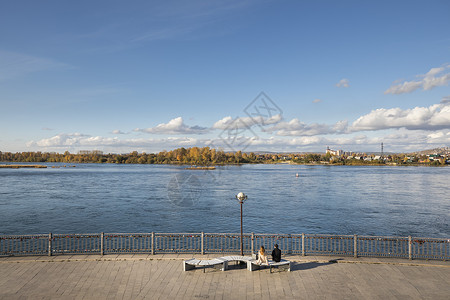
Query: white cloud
x,y
419,118
245,122
426,81
343,83
78,141
226,122
405,87
118,132
62,139
297,128
340,127
174,126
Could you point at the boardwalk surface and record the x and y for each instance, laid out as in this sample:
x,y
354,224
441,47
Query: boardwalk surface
x,y
161,277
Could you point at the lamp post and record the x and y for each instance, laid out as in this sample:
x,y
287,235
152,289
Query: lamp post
x,y
241,197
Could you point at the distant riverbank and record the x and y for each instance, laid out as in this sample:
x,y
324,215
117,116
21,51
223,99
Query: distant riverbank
x,y
212,166
206,157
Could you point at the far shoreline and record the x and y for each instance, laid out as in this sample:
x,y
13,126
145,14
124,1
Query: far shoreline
x,y
206,156
211,167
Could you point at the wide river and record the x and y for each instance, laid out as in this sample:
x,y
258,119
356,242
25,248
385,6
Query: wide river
x,y
90,198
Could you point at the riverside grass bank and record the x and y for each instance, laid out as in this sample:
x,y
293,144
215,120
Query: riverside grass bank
x,y
210,243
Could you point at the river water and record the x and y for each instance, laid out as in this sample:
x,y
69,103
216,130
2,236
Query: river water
x,y
91,198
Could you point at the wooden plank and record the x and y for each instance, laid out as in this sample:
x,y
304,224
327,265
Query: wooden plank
x,y
167,280
175,283
163,279
156,278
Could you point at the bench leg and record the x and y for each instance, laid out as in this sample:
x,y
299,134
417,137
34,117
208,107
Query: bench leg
x,y
252,267
187,267
221,266
287,267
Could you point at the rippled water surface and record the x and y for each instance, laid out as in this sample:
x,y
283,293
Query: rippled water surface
x,y
143,198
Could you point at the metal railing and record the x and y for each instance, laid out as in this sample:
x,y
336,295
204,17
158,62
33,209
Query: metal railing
x,y
152,243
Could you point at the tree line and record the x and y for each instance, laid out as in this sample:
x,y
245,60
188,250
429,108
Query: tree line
x,y
210,156
194,155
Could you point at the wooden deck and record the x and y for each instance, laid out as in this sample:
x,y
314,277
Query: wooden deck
x,y
162,277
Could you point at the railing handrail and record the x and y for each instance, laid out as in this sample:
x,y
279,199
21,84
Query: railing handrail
x,y
215,233
202,242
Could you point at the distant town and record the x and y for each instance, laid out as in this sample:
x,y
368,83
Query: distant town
x,y
207,156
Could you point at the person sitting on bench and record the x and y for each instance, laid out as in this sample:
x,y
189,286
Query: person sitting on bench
x,y
262,257
276,254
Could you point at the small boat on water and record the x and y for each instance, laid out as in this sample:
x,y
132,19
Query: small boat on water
x,y
296,175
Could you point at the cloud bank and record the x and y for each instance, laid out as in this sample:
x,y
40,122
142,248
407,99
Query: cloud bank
x,y
85,141
419,118
174,126
245,122
433,78
404,129
400,140
297,128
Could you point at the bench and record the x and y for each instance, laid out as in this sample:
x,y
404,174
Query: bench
x,y
192,263
285,264
246,259
223,262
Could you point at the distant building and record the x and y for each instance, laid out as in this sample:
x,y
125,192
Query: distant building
x,y
334,152
433,157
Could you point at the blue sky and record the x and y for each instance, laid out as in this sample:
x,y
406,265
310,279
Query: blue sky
x,y
152,75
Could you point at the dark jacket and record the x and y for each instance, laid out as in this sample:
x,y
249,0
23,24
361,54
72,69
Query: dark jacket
x,y
276,255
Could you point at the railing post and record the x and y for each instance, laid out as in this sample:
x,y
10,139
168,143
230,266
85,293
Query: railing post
x,y
290,244
102,237
355,246
303,244
445,250
410,247
253,243
203,243
50,237
153,243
